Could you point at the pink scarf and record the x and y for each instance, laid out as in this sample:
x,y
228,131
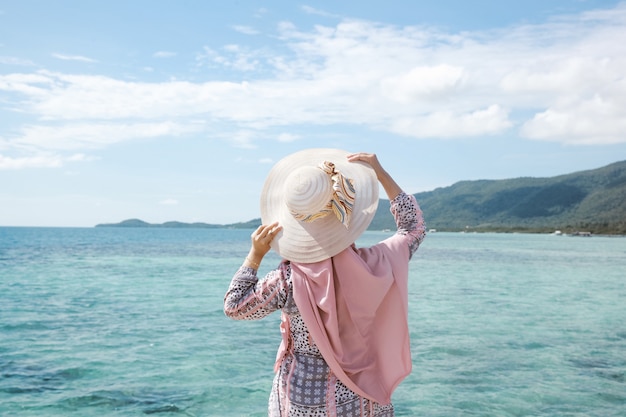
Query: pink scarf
x,y
355,307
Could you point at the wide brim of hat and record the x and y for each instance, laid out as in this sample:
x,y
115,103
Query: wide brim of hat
x,y
325,237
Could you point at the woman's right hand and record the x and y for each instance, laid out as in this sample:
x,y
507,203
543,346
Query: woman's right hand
x,y
369,158
391,187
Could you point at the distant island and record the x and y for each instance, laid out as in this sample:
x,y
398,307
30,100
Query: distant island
x,y
587,202
252,224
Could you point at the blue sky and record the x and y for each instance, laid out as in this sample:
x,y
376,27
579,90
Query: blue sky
x,y
176,110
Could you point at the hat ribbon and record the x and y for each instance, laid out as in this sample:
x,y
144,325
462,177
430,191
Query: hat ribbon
x,y
342,199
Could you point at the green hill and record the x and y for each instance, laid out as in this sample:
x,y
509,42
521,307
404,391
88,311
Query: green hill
x,y
593,201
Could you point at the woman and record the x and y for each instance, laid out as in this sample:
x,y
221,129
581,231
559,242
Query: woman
x,y
345,344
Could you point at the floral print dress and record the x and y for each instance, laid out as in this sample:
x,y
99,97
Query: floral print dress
x,y
304,384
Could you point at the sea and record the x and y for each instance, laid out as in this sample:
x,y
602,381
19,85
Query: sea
x,y
129,322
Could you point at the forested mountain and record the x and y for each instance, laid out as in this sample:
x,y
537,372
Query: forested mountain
x,y
590,201
593,201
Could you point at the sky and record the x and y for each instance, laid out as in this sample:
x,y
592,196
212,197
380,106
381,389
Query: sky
x,y
177,110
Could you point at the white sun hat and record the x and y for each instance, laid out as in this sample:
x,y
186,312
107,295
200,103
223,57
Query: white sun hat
x,y
322,201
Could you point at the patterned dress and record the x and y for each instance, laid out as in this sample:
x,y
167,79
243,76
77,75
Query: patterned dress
x,y
304,384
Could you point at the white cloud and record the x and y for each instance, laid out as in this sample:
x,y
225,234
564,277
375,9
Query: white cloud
x,y
164,54
448,124
260,12
55,96
38,161
232,57
11,60
77,136
243,139
318,12
561,81
168,202
423,83
73,58
599,120
287,137
246,30
34,85
80,157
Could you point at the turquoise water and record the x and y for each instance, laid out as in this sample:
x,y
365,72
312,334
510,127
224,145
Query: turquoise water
x,y
129,322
